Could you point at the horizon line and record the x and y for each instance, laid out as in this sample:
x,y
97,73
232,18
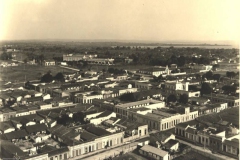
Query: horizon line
x,y
210,42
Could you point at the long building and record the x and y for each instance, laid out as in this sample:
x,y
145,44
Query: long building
x,y
92,59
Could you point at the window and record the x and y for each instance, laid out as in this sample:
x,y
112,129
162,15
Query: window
x,y
86,149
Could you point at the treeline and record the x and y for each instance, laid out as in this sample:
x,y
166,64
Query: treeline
x,y
116,71
6,56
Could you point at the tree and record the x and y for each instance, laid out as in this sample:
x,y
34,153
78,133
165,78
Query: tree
x,y
215,66
230,74
209,75
59,77
47,78
216,77
198,76
181,61
183,98
25,60
41,58
229,89
130,97
206,89
65,120
4,56
171,98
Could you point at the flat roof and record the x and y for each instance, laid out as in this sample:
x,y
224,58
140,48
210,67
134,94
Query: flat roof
x,y
154,150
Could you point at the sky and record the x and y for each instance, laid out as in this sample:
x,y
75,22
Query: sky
x,y
155,20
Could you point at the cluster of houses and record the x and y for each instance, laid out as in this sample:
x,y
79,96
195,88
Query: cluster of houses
x,y
8,64
91,59
81,116
221,137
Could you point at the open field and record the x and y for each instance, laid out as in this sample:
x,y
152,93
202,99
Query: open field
x,y
31,72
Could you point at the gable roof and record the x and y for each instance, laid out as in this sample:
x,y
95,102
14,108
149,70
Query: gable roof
x,y
58,151
6,125
104,114
160,137
10,149
14,135
86,136
170,143
36,128
97,131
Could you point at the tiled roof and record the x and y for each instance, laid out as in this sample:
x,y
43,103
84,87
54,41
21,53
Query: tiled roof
x,y
36,128
170,143
97,131
14,135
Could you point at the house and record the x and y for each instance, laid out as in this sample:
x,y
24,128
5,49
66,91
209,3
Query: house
x,y
154,153
16,135
231,100
60,153
46,96
6,127
132,130
230,146
198,100
33,100
43,105
21,111
172,86
38,128
171,145
144,84
64,134
49,63
160,138
10,150
7,113
155,71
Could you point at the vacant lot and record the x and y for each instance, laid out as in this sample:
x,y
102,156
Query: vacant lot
x,y
192,156
31,72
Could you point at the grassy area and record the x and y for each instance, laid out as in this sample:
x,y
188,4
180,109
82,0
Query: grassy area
x,y
192,156
32,72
